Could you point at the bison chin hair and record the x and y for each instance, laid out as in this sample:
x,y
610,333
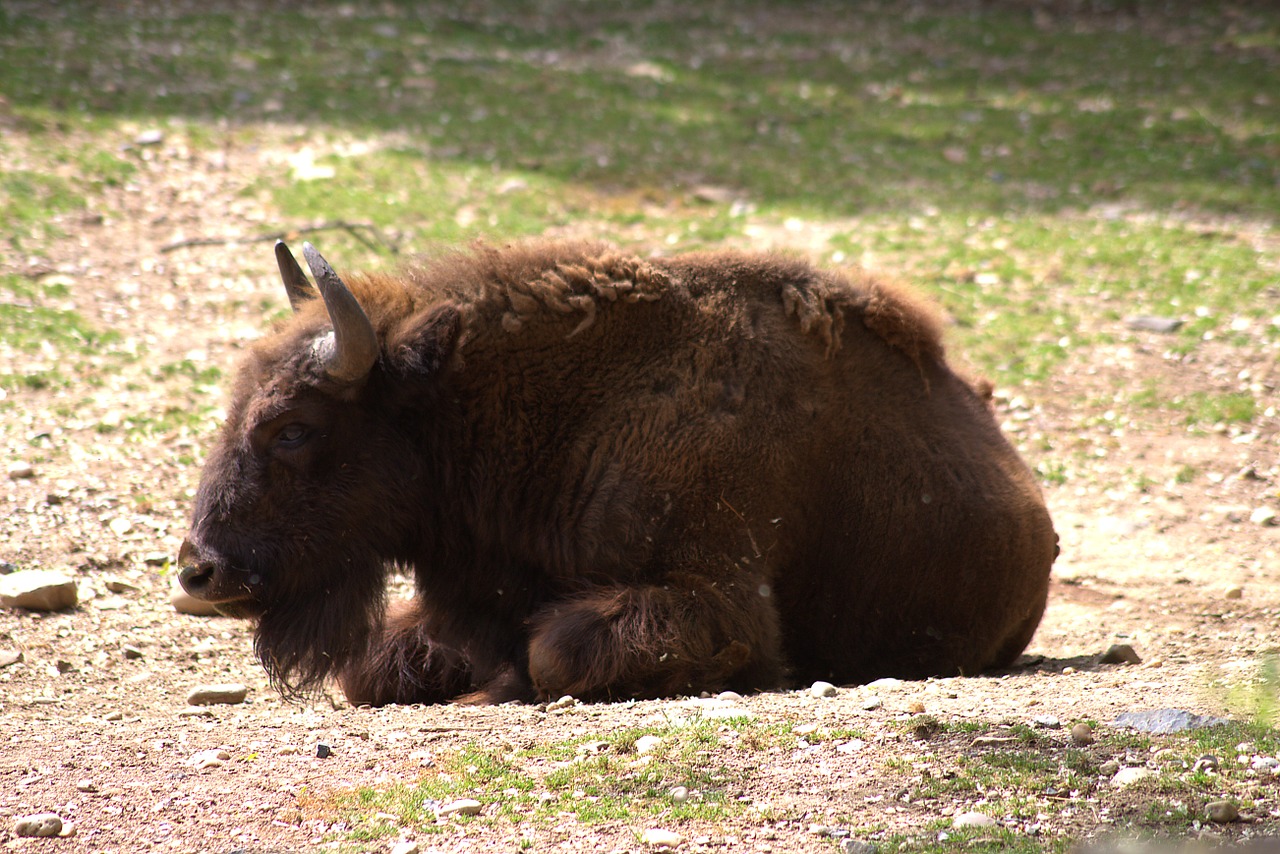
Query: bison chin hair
x,y
305,638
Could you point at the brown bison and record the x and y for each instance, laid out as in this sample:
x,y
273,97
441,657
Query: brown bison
x,y
612,477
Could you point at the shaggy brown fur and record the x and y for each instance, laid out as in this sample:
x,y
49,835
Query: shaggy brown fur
x,y
615,477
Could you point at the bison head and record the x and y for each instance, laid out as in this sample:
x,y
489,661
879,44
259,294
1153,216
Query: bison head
x,y
301,504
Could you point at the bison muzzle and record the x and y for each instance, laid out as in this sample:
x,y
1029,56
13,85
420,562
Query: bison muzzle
x,y
612,477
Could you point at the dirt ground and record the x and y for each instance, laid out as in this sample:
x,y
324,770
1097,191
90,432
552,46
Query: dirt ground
x,y
94,732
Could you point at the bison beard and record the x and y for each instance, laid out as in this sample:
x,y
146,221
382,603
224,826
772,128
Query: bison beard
x,y
612,478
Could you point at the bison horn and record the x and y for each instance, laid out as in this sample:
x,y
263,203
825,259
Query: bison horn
x,y
295,281
355,344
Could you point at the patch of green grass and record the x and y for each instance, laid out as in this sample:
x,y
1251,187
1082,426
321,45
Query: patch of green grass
x,y
27,202
593,781
946,840
31,325
1205,408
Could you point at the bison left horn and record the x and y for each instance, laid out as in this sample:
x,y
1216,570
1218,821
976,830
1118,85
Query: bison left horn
x,y
295,281
355,344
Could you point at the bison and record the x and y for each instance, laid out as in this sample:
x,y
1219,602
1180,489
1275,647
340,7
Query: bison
x,y
612,477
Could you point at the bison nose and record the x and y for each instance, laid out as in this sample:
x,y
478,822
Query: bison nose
x,y
194,575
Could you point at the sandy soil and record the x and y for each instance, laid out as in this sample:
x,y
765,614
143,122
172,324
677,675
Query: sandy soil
x,y
91,717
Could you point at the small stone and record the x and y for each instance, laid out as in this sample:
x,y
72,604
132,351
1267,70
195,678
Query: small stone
x,y
658,838
227,694
1152,323
1120,653
215,758
20,470
871,704
68,830
120,525
1109,768
405,847
86,785
858,846
463,806
823,689
151,136
1046,722
1264,516
1222,812
1264,763
1165,721
1207,762
38,590
131,652
973,819
40,824
679,794
323,751
117,585
729,696
887,683
184,603
10,656
1082,734
916,708
562,705
196,712
647,744
1234,593
113,716
1129,776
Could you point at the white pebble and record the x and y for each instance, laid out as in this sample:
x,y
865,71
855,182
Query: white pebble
x,y
659,838
464,806
973,819
886,683
21,470
680,794
823,689
1129,776
405,847
38,590
871,704
647,744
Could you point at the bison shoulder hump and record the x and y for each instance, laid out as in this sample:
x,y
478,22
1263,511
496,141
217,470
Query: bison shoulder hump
x,y
571,292
895,314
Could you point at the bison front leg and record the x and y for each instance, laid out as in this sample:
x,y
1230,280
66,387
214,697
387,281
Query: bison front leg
x,y
657,641
402,665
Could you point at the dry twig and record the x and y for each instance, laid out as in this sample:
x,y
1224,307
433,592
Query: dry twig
x,y
365,232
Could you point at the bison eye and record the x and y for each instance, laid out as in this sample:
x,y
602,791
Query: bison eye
x,y
292,436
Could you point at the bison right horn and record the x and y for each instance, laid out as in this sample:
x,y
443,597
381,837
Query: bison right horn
x,y
355,344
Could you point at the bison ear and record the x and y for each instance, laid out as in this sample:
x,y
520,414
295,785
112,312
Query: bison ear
x,y
427,341
295,281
